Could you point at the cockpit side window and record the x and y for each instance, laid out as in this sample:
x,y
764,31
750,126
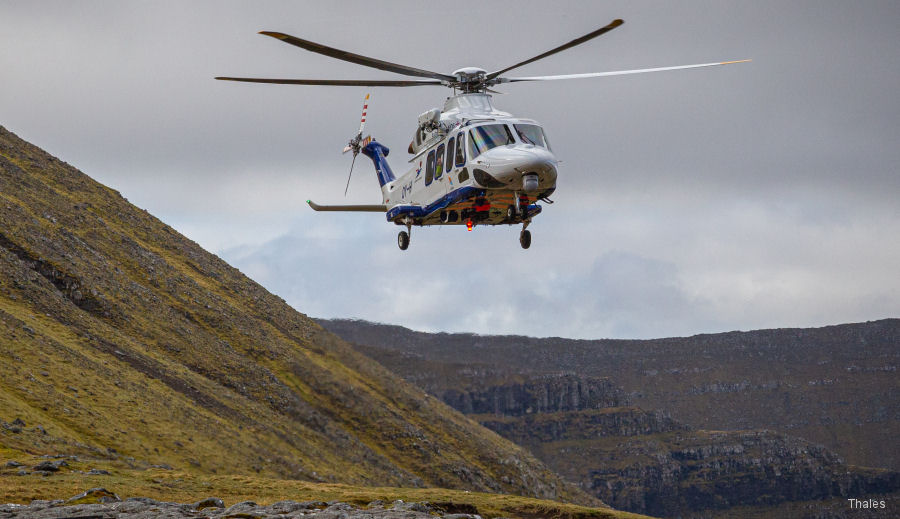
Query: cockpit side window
x,y
439,162
451,149
532,134
489,136
460,149
429,168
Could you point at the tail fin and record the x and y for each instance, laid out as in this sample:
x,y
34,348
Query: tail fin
x,y
377,152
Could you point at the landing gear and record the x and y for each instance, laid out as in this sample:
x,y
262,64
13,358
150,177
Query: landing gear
x,y
525,238
525,235
522,206
403,236
514,211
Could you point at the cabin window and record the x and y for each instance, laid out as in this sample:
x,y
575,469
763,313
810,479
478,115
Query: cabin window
x,y
439,162
463,175
532,134
429,168
451,149
490,136
460,149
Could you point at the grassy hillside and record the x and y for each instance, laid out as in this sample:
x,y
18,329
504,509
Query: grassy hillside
x,y
123,341
188,487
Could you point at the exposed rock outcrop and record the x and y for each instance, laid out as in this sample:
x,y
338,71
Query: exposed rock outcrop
x,y
537,394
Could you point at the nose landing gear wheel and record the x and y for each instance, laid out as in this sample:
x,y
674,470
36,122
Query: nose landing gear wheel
x,y
403,240
525,239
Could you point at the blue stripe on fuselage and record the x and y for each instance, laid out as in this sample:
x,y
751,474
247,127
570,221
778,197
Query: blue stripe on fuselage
x,y
457,195
417,211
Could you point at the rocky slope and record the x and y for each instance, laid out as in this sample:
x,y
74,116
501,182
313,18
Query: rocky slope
x,y
100,503
120,339
586,429
836,385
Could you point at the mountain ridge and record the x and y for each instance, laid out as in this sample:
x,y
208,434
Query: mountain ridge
x,y
834,385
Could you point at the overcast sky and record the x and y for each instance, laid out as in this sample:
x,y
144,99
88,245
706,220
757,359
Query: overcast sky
x,y
741,197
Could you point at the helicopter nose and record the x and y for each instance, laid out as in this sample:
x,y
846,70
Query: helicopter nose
x,y
520,167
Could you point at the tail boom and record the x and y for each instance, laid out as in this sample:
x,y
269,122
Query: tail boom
x,y
377,152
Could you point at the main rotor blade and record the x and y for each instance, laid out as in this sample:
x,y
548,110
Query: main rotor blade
x,y
356,58
338,82
577,41
614,73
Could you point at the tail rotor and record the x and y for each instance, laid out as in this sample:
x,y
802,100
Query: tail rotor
x,y
357,143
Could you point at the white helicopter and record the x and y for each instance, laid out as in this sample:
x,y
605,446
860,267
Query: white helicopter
x,y
471,163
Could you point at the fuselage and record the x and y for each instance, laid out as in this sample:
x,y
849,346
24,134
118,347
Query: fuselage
x,y
472,164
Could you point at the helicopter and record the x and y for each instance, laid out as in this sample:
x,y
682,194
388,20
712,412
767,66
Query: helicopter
x,y
471,164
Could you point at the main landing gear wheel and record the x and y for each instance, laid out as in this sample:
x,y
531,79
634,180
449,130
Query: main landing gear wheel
x,y
525,239
403,240
510,213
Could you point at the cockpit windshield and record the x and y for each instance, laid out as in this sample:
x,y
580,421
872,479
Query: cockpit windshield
x,y
532,134
489,136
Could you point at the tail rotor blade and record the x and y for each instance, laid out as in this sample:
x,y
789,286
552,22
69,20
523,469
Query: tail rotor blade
x,y
350,175
357,143
362,121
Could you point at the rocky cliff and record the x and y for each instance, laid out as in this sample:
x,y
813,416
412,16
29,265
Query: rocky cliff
x,y
543,394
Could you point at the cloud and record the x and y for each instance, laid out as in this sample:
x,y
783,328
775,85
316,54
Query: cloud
x,y
737,197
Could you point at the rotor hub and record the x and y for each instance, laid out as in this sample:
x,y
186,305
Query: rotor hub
x,y
470,74
470,79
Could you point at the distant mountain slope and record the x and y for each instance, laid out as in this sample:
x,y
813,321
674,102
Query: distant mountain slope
x,y
586,429
836,385
121,338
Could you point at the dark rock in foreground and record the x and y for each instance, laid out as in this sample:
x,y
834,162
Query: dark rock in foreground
x,y
141,507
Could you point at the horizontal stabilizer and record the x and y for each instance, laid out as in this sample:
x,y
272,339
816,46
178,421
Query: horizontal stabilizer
x,y
356,208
